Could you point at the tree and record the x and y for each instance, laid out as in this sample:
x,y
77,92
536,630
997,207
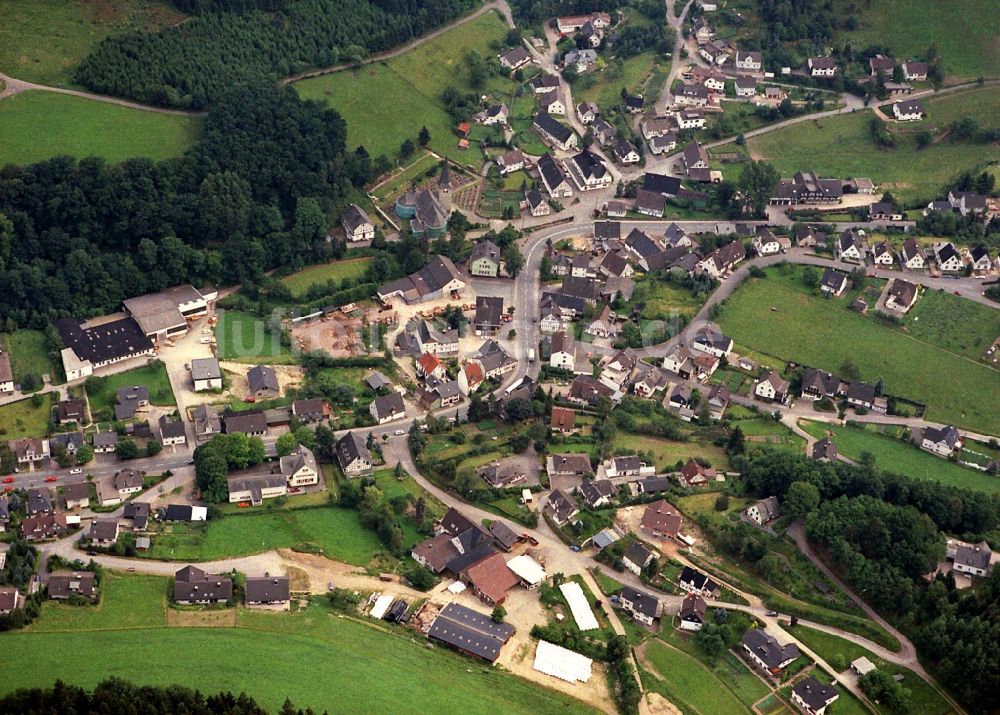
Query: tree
x,y
84,454
735,443
513,259
499,613
424,137
127,449
210,472
801,499
722,502
849,370
810,277
284,445
406,149
880,686
756,187
153,448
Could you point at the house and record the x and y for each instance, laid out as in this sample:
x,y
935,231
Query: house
x,y
549,103
388,408
643,607
596,493
438,279
809,237
626,467
909,110
766,653
862,666
764,511
850,247
30,449
491,579
514,59
103,532
722,260
973,559
715,52
625,152
484,260
882,254
587,112
615,265
604,132
702,30
493,360
765,243
76,495
634,104
495,114
966,202
206,374
252,423
775,94
662,144
911,256
561,507
10,597
812,696
511,161
7,376
270,592
193,586
43,526
772,387
315,409
427,209
89,348
949,260
980,257
746,86
588,171
821,66
489,315
171,431
718,400
637,557
661,520
136,513
562,420
66,443
881,65
692,612
470,632
693,473
943,440
543,83
860,394
64,584
563,354
711,341
824,450
554,177
648,252
901,295
806,187
500,476
357,225
915,71
749,61
586,390
126,482
653,127
834,283
431,340
570,465
130,400
299,468
649,203
353,455
207,423
66,410
582,60
536,203
692,95
694,581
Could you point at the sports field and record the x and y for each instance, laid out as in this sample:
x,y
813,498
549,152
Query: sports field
x,y
387,102
775,317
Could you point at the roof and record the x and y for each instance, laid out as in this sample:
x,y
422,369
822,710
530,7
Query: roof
x,y
814,693
594,490
488,249
171,429
562,663
354,217
694,153
527,569
62,584
903,291
552,175
590,165
833,279
642,602
660,183
438,272
491,577
696,579
506,536
138,512
777,382
388,405
267,588
262,377
193,584
249,480
579,606
824,449
650,201
823,63
862,665
205,369
455,522
77,491
562,506
103,530
662,517
563,418
489,310
571,463
470,631
638,554
247,422
351,447
588,389
693,608
515,56
552,127
764,646
102,343
767,508
157,312
909,106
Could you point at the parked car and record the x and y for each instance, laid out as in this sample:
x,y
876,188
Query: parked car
x,y
51,478
78,470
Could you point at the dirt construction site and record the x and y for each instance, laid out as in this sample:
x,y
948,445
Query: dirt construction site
x,y
288,376
337,334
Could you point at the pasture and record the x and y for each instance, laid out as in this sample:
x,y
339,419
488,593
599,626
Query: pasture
x,y
953,323
683,680
29,417
44,40
350,269
841,146
388,102
29,353
666,453
820,333
35,126
134,601
982,103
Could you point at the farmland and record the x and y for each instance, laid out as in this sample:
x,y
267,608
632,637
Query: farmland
x,y
814,332
841,146
893,455
35,126
43,40
29,417
102,390
387,102
241,335
336,271
966,43
29,353
218,659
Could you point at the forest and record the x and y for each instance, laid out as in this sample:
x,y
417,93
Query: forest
x,y
883,533
77,237
230,42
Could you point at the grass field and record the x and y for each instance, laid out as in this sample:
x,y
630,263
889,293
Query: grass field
x,y
372,98
338,532
815,332
344,675
893,455
126,602
25,418
241,335
923,698
664,301
351,269
966,39
685,681
667,452
982,103
402,180
604,87
154,376
953,323
29,353
841,146
35,126
43,40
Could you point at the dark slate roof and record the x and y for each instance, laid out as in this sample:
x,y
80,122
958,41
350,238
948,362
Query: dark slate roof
x,y
552,127
696,579
833,279
353,217
489,310
693,608
193,584
550,171
642,602
638,554
391,404
262,377
248,422
814,693
470,631
267,588
109,341
351,447
765,647
660,183
593,490
653,484
178,512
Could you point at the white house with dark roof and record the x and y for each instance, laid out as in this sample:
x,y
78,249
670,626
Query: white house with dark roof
x,y
833,282
554,133
949,260
972,559
514,58
911,256
749,61
941,440
388,408
812,696
821,66
763,511
643,607
357,225
909,110
554,177
850,247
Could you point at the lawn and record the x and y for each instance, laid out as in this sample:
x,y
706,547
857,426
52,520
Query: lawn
x,y
402,180
44,40
667,452
35,126
368,97
604,87
841,146
813,331
924,699
953,323
344,676
337,532
126,602
29,417
892,455
965,32
685,681
337,271
101,390
241,335
29,352
664,301
982,103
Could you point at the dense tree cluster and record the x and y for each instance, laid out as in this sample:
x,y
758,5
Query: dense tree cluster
x,y
192,64
537,12
214,459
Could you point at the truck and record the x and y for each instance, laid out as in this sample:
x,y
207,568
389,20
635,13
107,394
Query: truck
x,y
531,355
